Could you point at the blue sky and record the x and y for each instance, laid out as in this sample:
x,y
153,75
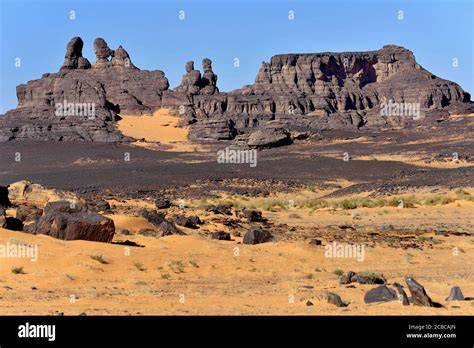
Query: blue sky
x,y
37,32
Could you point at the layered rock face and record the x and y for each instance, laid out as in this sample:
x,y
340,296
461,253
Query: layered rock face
x,y
81,101
292,94
350,90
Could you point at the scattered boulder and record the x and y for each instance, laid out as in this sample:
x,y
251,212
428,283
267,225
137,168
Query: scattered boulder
x,y
162,203
309,303
368,278
269,137
256,236
155,218
455,294
418,293
63,221
336,300
220,235
380,294
315,242
253,216
100,205
346,278
188,221
362,278
222,209
167,228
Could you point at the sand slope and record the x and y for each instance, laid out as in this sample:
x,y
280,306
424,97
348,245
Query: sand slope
x,y
195,275
159,131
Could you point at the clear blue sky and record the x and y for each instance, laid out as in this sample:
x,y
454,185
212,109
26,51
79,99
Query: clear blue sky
x,y
38,31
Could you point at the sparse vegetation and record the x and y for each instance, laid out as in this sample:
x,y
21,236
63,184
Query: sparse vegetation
x,y
177,266
18,270
165,276
430,240
139,266
193,263
338,272
99,258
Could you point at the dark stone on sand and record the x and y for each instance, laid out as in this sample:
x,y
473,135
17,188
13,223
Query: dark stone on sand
x,y
162,203
222,209
153,217
455,294
188,221
315,242
13,224
220,235
346,278
418,293
256,235
65,221
380,294
309,303
253,215
336,300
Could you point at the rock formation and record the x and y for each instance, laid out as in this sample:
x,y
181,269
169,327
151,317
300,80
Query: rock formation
x,y
74,58
209,79
81,102
191,81
293,94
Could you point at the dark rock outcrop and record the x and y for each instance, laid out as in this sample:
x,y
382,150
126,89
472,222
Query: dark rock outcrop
x,y
455,294
74,58
380,294
362,278
82,102
293,95
418,293
256,236
220,235
63,221
336,300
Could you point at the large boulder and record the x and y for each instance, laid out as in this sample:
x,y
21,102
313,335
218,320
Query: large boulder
x,y
380,294
269,137
71,222
455,294
257,235
418,293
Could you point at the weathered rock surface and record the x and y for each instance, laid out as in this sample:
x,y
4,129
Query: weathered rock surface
x,y
455,294
30,194
60,220
220,235
418,293
256,236
336,300
380,294
81,102
294,95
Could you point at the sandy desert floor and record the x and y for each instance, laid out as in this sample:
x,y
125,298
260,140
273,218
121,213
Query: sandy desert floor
x,y
194,274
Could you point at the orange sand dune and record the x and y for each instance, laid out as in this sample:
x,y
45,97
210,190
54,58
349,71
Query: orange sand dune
x,y
184,275
159,131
